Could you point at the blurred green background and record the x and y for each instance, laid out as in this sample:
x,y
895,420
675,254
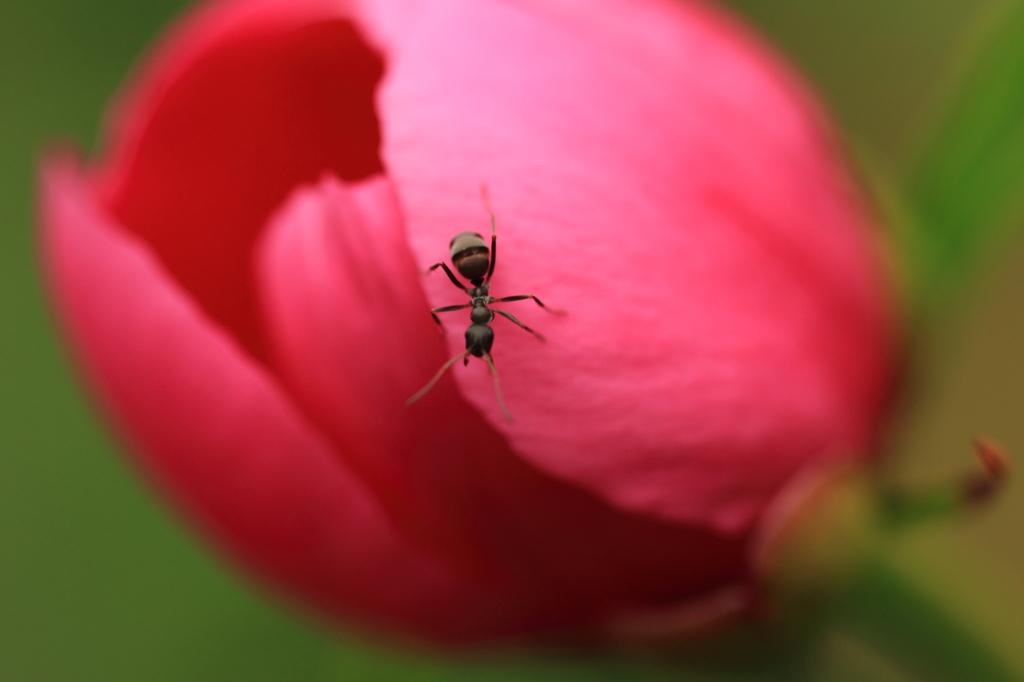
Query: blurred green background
x,y
97,582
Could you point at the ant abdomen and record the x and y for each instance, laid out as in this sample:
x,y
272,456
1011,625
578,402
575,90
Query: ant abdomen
x,y
479,339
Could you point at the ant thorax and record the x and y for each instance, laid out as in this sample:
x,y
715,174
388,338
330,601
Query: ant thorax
x,y
479,291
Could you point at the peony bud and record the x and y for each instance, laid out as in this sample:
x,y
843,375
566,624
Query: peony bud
x,y
240,274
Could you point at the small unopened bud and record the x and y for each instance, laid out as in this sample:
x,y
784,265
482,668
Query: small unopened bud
x,y
907,506
980,487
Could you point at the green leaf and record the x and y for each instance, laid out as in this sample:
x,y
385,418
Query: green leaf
x,y
896,619
967,185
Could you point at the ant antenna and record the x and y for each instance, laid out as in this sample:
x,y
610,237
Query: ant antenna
x,y
497,388
430,384
486,198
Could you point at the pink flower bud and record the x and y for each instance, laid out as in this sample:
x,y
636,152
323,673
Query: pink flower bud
x,y
240,274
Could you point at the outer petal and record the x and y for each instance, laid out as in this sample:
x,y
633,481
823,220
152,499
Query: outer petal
x,y
219,436
353,339
661,176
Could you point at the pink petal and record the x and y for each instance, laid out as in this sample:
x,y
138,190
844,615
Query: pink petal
x,y
664,179
218,435
353,340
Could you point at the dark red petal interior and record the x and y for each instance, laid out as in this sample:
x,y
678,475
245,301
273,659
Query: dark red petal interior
x,y
240,126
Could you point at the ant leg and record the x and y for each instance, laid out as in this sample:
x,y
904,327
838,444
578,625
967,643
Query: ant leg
x,y
448,309
430,384
526,296
448,272
497,388
494,232
535,333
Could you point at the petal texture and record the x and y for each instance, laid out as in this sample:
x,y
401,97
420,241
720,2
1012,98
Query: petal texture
x,y
349,326
683,200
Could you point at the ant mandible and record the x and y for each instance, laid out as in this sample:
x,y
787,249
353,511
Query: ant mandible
x,y
475,262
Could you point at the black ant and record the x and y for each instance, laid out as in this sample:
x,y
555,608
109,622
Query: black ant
x,y
475,262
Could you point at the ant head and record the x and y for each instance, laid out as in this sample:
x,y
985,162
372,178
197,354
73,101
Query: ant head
x,y
470,255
